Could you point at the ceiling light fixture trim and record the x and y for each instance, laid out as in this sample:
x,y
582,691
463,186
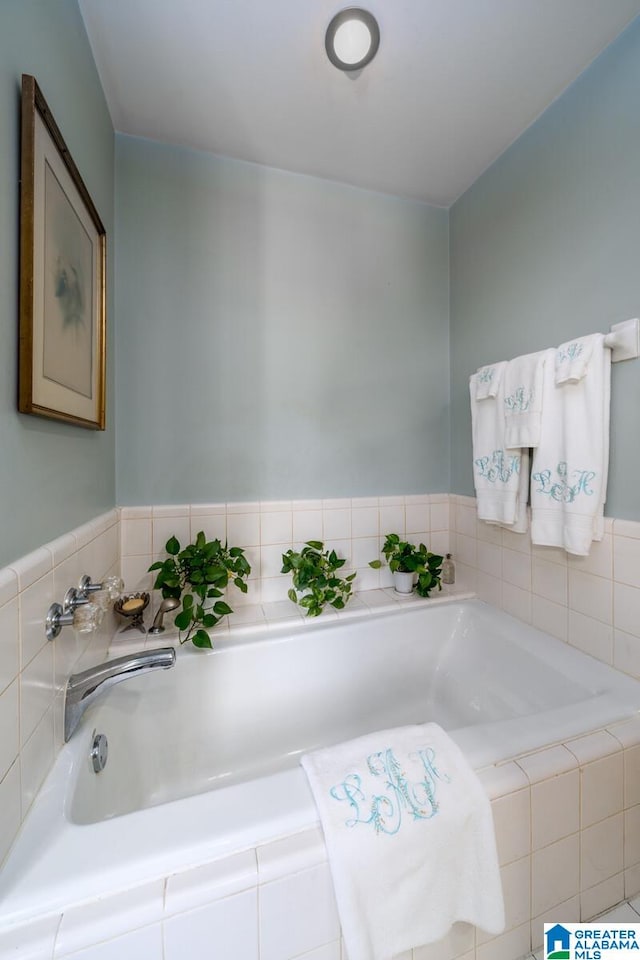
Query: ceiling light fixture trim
x,y
346,42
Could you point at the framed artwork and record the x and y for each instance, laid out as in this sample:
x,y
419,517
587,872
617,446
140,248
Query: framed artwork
x,y
62,353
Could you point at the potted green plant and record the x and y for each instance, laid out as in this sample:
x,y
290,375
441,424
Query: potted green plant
x,y
315,579
197,576
410,564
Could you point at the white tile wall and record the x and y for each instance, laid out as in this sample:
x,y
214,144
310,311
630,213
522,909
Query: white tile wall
x,y
33,671
143,944
297,913
354,528
591,602
109,917
229,925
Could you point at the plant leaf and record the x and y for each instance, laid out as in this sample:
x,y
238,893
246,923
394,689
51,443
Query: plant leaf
x,y
183,619
172,546
202,639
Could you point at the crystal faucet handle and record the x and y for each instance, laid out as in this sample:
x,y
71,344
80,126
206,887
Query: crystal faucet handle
x,y
87,618
102,599
112,585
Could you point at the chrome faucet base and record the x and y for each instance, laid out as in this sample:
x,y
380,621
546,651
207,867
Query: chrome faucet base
x,y
83,688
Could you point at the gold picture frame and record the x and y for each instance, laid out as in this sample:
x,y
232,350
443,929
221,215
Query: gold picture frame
x,y
62,352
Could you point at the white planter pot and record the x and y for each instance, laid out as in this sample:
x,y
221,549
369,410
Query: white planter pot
x,y
403,582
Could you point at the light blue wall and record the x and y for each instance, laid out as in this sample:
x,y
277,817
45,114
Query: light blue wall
x,y
52,476
282,336
279,336
546,246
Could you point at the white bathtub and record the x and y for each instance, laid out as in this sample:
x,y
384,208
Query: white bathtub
x,y
203,759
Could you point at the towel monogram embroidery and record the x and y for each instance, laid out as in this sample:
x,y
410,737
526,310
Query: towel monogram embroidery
x,y
384,811
571,352
519,401
498,466
561,490
486,375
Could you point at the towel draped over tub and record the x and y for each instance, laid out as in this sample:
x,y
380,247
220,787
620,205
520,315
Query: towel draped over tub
x,y
410,838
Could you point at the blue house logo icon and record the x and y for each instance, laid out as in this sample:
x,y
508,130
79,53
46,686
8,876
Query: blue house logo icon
x,y
557,945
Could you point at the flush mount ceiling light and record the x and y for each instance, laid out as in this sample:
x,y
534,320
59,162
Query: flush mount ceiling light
x,y
352,39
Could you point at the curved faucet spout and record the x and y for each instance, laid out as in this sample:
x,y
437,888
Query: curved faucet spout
x,y
83,688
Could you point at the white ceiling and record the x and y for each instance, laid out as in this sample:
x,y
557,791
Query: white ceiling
x,y
453,84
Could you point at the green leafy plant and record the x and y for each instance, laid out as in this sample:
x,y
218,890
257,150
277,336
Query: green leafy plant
x,y
404,557
315,579
198,576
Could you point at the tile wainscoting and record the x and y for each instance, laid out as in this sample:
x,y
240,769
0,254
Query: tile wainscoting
x,y
590,602
33,671
354,528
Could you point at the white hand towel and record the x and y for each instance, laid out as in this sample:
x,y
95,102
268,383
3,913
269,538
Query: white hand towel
x,y
500,476
523,400
570,466
521,522
410,838
572,358
488,380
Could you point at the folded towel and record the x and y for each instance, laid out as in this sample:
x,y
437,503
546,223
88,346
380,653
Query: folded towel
x,y
523,400
410,838
572,358
488,380
500,476
571,463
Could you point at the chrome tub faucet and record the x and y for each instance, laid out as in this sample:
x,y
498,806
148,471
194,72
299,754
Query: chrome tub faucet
x,y
83,688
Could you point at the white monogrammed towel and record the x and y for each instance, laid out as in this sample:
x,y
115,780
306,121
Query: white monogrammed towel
x,y
570,466
572,358
410,838
500,476
523,400
488,380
